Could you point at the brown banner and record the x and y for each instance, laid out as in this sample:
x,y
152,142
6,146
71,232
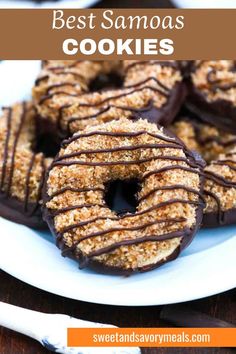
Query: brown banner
x,y
117,34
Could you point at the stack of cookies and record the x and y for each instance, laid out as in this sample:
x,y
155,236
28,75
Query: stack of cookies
x,y
123,161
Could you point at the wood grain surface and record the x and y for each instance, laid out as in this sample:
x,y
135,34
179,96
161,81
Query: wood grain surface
x,y
18,293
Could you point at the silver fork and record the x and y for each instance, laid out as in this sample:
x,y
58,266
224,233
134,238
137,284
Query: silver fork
x,y
51,330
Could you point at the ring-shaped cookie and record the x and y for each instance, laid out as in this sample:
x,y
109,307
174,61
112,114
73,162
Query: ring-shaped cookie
x,y
21,169
169,202
218,148
151,89
212,93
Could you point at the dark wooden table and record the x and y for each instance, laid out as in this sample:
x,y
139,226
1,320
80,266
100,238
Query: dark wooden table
x,y
18,293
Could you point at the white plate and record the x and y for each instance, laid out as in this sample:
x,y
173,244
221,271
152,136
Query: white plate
x,y
207,267
46,4
205,4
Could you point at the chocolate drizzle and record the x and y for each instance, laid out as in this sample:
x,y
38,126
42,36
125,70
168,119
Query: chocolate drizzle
x,y
219,179
173,187
114,229
151,88
169,143
120,148
112,163
216,84
5,155
193,166
163,115
163,63
211,77
22,120
203,141
150,238
60,67
170,168
51,95
220,112
120,134
218,217
225,163
55,86
27,184
25,211
223,182
164,92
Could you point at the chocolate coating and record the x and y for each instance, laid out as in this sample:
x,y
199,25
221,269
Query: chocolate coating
x,y
213,219
13,210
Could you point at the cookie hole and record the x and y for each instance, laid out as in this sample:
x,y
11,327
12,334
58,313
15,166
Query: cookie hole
x,y
106,81
47,144
121,196
46,140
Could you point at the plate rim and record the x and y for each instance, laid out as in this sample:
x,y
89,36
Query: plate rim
x,y
84,295
100,302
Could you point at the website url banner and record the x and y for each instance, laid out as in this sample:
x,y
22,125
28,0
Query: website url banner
x,y
152,337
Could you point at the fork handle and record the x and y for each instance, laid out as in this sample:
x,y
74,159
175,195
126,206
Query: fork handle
x,y
21,320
